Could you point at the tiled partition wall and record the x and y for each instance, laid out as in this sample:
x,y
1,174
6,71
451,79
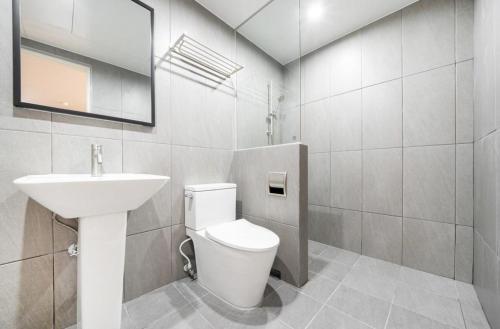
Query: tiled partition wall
x,y
387,115
287,217
487,157
193,142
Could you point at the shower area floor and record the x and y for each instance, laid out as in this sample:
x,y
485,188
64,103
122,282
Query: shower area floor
x,y
345,291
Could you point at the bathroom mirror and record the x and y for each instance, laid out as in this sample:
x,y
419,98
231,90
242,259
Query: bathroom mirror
x,y
90,58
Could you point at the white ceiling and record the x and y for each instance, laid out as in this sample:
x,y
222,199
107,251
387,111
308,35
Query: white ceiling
x,y
233,12
274,28
112,31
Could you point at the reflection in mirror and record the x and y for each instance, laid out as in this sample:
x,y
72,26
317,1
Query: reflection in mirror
x,y
268,106
86,57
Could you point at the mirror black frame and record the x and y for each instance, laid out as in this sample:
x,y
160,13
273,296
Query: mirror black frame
x,y
16,41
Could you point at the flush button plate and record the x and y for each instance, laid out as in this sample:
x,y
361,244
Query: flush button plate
x,y
276,184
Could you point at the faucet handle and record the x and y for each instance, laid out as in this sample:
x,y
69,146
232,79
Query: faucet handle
x,y
99,155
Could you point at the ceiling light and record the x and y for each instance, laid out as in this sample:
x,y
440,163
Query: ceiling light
x,y
315,12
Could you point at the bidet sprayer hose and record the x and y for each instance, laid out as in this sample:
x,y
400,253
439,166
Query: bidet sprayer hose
x,y
188,267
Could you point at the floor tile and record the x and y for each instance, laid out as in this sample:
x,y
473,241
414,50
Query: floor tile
x,y
435,307
474,316
436,284
190,289
329,318
318,287
374,285
404,319
184,318
150,307
221,315
368,309
344,291
291,307
315,248
272,285
342,256
378,267
328,268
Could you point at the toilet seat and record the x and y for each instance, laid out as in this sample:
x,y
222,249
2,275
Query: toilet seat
x,y
243,235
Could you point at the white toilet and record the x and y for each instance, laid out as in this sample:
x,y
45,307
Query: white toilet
x,y
233,257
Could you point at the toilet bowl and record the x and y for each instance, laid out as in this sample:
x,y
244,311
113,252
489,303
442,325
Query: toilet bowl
x,y
233,257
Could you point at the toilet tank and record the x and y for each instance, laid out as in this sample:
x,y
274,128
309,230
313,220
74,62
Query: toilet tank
x,y
209,204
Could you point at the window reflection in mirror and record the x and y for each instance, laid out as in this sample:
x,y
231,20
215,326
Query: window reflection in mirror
x,y
54,82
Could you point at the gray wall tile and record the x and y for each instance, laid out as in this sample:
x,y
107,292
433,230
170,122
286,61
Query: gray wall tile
x,y
464,185
429,246
465,102
192,165
205,120
321,226
484,61
381,50
187,16
486,272
429,107
291,259
26,302
428,35
345,61
71,154
382,237
149,158
464,25
65,286
74,125
383,115
319,179
429,183
485,176
315,83
314,131
147,262
336,227
487,158
383,181
346,228
26,225
346,113
464,253
346,175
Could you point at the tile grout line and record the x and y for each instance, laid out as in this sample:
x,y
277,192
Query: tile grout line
x,y
190,303
324,304
402,143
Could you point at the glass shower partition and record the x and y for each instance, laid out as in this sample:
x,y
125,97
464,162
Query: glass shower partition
x,y
268,89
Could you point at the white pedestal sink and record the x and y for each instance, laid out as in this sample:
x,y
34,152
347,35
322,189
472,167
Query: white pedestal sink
x,y
101,205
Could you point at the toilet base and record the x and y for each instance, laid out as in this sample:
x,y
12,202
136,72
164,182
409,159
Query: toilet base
x,y
235,276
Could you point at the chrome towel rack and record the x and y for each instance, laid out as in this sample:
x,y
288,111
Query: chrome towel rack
x,y
192,52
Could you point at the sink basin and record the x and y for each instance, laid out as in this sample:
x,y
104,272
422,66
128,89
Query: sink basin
x,y
83,195
101,205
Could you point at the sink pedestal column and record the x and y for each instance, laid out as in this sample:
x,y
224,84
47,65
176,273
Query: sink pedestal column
x,y
101,260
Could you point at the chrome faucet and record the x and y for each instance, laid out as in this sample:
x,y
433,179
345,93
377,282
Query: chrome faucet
x,y
96,160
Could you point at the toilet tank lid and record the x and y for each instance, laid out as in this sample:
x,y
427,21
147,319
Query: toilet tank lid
x,y
209,187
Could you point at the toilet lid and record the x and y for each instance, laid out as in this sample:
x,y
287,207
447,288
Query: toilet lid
x,y
243,235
